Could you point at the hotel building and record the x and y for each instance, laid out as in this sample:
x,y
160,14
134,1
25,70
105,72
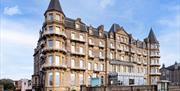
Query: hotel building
x,y
70,53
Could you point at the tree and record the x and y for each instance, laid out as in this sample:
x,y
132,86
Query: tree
x,y
7,83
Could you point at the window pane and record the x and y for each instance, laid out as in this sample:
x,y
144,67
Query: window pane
x,y
50,60
57,44
73,36
50,43
57,60
50,79
81,79
89,66
81,63
57,30
63,61
73,79
57,17
51,17
57,79
72,63
81,50
81,37
50,29
73,48
95,66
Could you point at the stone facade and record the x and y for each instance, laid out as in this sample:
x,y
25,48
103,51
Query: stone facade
x,y
171,73
69,53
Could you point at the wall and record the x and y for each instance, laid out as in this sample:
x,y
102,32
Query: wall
x,y
121,88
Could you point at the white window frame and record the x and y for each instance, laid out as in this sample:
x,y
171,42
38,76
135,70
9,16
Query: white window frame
x,y
72,63
57,60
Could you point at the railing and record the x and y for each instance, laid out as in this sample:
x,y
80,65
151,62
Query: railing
x,y
112,47
155,64
155,55
91,55
54,66
55,32
101,57
54,48
91,43
78,68
101,45
155,73
77,53
78,39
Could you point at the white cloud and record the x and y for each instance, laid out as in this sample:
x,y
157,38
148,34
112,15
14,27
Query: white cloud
x,y
105,3
18,38
17,41
17,32
12,10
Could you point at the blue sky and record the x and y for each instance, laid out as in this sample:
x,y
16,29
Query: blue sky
x,y
21,21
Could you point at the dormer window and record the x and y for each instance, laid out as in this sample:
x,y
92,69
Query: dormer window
x,y
81,37
111,55
111,35
111,45
90,31
100,34
73,35
90,41
58,17
77,26
51,17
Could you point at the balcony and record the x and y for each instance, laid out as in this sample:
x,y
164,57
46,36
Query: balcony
x,y
155,73
44,50
119,49
144,63
49,22
78,68
139,53
155,64
126,50
78,53
78,39
48,66
145,53
91,43
101,45
91,56
112,47
155,55
101,57
133,51
61,34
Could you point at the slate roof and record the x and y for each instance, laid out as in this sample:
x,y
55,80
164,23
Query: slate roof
x,y
70,23
152,37
176,66
55,5
172,67
114,28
